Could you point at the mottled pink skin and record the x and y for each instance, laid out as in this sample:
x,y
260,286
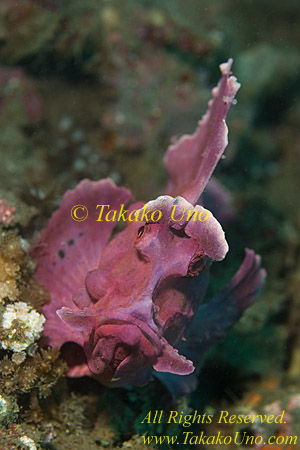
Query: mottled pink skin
x,y
125,303
68,250
214,319
192,159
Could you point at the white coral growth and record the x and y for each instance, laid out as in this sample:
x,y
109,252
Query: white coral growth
x,y
21,326
28,442
7,289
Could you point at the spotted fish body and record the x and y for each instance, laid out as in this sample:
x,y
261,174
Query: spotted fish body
x,y
125,308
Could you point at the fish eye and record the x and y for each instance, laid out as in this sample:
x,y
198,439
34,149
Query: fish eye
x,y
180,233
141,231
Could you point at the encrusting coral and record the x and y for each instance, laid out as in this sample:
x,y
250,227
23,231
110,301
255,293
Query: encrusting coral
x,y
21,326
17,281
23,367
21,323
38,372
10,252
6,213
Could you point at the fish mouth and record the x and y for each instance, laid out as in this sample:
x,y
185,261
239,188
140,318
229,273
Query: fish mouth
x,y
122,350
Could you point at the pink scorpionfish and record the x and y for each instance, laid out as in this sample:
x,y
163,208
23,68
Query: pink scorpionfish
x,y
127,308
